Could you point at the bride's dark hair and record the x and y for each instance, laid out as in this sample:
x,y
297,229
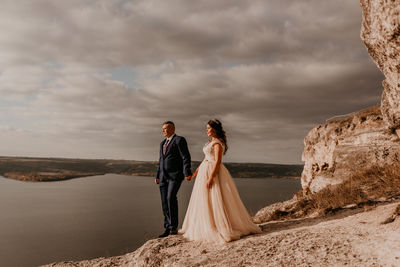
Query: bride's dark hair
x,y
219,131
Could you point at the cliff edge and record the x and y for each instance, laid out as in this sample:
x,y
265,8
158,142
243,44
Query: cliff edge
x,y
351,238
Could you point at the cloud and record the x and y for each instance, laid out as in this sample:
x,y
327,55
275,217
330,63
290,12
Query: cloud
x,y
97,78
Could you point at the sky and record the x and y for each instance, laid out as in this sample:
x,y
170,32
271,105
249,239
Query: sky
x,y
96,79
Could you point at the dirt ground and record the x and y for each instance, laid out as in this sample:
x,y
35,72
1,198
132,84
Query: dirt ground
x,y
352,238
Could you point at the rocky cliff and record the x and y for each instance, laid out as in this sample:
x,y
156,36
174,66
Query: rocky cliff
x,y
380,32
370,138
340,149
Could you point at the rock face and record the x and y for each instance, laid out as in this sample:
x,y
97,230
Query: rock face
x,y
380,32
339,149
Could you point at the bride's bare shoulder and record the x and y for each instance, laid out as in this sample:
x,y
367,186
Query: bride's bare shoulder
x,y
218,143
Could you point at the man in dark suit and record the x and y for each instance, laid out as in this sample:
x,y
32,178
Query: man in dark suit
x,y
173,167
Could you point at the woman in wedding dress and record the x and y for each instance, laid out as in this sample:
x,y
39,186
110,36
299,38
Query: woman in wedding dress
x,y
215,212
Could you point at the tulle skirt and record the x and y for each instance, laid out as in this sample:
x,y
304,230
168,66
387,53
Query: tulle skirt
x,y
216,215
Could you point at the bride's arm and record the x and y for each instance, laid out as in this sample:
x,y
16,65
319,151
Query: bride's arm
x,y
217,164
194,174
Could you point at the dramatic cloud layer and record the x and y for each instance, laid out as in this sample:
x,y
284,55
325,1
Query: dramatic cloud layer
x,y
95,79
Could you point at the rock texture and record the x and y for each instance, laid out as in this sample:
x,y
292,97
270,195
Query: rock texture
x,y
367,139
341,148
380,32
347,239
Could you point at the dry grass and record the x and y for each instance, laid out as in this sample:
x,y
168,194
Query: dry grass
x,y
376,184
368,187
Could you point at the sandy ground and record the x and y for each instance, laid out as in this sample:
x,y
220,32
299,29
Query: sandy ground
x,y
350,238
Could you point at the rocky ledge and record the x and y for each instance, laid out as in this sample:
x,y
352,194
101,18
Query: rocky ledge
x,y
354,237
339,149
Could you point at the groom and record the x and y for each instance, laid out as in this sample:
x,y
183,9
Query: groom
x,y
173,166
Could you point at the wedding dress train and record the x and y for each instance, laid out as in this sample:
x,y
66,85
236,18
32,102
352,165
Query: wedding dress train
x,y
217,214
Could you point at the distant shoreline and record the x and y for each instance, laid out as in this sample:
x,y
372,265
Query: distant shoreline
x,y
36,177
60,169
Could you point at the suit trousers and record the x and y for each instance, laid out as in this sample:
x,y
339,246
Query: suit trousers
x,y
169,201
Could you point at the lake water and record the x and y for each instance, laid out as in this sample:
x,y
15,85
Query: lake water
x,y
98,216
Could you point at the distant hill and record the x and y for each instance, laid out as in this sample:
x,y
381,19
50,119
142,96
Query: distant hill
x,y
55,169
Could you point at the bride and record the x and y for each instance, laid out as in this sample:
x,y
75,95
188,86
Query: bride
x,y
215,212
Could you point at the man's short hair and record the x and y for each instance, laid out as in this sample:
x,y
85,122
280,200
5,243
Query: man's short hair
x,y
169,122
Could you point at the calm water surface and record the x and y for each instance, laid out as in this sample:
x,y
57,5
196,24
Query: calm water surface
x,y
98,216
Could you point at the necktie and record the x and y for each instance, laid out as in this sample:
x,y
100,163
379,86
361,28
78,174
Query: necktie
x,y
165,146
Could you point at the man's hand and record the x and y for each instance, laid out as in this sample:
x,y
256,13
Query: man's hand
x,y
156,181
188,178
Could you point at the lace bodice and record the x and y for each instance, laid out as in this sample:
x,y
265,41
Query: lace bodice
x,y
208,150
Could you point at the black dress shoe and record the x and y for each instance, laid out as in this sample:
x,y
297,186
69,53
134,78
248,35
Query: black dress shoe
x,y
173,232
165,234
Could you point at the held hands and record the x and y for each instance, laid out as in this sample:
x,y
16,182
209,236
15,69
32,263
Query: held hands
x,y
190,177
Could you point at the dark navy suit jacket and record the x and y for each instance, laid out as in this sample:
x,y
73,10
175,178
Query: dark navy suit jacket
x,y
176,163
